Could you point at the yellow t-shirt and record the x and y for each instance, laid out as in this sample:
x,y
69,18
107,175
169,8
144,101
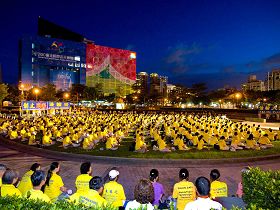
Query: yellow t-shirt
x,y
82,182
264,140
9,190
88,198
37,194
114,193
53,190
184,192
218,189
25,183
0,182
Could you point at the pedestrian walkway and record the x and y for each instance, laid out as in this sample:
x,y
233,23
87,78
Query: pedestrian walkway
x,y
129,175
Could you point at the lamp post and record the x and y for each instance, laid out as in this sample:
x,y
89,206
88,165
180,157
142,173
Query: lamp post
x,y
237,96
220,102
36,92
66,96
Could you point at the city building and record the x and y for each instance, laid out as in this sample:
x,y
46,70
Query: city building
x,y
170,88
142,83
253,84
62,57
273,80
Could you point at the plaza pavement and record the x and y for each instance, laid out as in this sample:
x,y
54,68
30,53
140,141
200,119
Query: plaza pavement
x,y
130,173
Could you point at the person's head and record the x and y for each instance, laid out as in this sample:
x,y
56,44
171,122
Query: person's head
x,y
10,176
35,167
96,183
184,174
38,178
144,192
54,167
154,175
250,137
3,168
202,186
114,175
214,175
86,168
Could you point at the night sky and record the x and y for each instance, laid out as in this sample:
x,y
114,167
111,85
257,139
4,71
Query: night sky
x,y
216,41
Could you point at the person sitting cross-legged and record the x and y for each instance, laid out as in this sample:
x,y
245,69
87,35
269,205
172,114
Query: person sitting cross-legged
x,y
203,200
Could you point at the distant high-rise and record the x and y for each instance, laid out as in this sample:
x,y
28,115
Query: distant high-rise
x,y
253,84
142,82
273,80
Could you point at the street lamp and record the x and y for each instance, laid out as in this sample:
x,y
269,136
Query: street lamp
x,y
66,95
36,92
220,102
237,96
21,87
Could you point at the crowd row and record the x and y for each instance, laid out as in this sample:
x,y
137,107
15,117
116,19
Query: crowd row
x,y
91,191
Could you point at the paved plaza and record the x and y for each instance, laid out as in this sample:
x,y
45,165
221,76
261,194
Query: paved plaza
x,y
131,173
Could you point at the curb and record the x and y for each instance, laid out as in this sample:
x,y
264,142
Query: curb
x,y
64,156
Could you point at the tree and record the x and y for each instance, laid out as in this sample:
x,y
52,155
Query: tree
x,y
90,93
199,89
48,93
3,92
77,92
14,94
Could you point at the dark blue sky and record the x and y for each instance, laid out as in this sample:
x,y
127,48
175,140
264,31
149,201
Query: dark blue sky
x,y
214,41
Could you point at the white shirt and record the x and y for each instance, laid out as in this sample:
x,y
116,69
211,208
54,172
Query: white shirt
x,y
203,204
135,205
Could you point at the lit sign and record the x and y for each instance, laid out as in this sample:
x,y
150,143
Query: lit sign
x,y
43,105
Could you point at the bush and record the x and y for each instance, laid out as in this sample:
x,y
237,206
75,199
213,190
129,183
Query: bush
x,y
15,203
261,189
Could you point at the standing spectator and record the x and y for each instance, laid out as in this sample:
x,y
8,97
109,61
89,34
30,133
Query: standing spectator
x,y
218,188
203,201
10,177
183,191
25,183
38,179
82,181
2,171
239,192
158,188
143,195
54,186
113,191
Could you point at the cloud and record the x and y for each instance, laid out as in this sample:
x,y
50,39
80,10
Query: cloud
x,y
272,60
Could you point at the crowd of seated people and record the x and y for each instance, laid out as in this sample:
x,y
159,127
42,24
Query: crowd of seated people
x,y
92,191
164,132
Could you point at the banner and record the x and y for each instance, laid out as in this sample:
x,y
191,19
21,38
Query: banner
x,y
43,105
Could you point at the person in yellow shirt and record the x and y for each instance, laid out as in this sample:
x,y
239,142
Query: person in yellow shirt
x,y
3,168
38,179
183,191
218,188
82,181
265,142
54,186
113,191
10,177
92,197
25,183
13,134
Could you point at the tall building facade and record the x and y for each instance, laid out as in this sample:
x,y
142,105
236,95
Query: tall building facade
x,y
253,84
114,69
142,83
273,80
46,60
62,57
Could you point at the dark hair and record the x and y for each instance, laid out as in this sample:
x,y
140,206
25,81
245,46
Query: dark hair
x,y
184,173
3,167
37,177
96,183
9,176
153,174
250,137
53,166
202,185
84,169
144,192
35,166
215,174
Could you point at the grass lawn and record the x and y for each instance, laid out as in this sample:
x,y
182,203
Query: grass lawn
x,y
123,151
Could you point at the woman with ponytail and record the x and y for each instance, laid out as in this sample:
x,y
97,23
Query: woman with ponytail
x,y
54,186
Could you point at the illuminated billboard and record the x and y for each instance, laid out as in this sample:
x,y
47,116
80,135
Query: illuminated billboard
x,y
113,69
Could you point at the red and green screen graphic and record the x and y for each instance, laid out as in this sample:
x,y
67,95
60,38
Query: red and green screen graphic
x,y
113,69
